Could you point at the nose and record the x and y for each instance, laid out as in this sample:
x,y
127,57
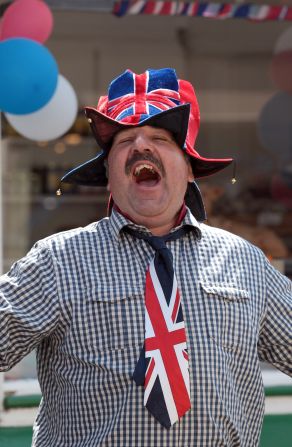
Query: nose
x,y
142,144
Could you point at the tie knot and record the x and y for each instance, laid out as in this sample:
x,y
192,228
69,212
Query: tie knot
x,y
156,242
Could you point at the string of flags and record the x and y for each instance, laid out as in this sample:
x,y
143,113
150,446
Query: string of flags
x,y
210,10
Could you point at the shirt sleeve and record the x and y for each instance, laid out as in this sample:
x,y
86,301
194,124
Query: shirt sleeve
x,y
275,342
29,306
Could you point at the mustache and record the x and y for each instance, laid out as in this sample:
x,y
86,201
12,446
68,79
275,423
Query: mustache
x,y
144,157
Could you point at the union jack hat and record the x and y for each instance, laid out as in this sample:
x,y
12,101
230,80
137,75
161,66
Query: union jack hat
x,y
154,98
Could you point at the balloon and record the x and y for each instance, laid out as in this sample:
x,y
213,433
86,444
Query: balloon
x,y
27,18
53,120
281,70
281,191
274,126
284,42
28,76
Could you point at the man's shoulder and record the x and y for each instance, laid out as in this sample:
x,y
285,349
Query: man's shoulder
x,y
222,238
95,231
216,232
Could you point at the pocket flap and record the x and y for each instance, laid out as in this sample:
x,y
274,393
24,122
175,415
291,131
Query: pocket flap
x,y
226,291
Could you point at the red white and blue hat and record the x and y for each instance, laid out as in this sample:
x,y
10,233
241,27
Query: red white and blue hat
x,y
154,98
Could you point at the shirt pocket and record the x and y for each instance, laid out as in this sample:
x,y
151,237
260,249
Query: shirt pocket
x,y
228,316
112,320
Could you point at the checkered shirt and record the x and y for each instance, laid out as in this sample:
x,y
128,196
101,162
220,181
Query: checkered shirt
x,y
78,297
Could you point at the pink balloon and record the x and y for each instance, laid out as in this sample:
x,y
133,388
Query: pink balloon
x,y
27,18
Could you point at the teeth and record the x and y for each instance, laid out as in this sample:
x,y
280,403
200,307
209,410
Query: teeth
x,y
144,166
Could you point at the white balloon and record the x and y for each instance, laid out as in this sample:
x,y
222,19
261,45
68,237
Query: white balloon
x,y
52,120
284,41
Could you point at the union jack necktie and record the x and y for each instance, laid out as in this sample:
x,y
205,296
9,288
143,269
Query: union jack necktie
x,y
163,364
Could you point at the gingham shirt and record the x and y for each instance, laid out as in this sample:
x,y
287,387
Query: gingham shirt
x,y
78,296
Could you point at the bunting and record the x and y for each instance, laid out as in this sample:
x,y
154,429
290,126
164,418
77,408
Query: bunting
x,y
248,11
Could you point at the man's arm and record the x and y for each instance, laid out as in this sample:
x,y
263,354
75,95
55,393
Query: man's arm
x,y
275,343
29,307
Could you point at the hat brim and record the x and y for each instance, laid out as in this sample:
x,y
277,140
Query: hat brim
x,y
104,128
93,172
90,173
203,167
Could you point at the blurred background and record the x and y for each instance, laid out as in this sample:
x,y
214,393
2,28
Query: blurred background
x,y
241,68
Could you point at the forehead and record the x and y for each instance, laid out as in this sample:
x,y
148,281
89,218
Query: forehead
x,y
142,130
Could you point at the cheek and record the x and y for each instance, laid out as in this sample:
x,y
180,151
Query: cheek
x,y
115,170
180,172
113,179
118,182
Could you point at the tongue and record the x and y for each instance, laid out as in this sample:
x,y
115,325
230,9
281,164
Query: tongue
x,y
149,182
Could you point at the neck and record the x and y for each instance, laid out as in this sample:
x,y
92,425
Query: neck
x,y
161,230
157,228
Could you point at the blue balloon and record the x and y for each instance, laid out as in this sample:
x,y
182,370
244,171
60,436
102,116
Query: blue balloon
x,y
28,76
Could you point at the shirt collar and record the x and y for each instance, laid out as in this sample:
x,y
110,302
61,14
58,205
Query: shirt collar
x,y
119,221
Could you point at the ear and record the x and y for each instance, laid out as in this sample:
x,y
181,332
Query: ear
x,y
191,177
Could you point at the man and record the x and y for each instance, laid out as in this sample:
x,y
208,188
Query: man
x,y
149,325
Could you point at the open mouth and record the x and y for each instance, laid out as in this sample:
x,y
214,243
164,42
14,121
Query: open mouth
x,y
146,175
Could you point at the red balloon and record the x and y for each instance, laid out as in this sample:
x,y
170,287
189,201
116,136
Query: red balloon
x,y
32,19
281,70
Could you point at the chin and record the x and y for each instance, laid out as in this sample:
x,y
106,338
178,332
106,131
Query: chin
x,y
148,210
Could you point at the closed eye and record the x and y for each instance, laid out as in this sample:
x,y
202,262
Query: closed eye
x,y
161,138
125,140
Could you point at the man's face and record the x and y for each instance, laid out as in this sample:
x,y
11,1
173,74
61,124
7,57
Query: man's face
x,y
148,174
